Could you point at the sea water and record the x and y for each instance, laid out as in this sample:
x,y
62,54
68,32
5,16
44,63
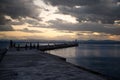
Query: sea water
x,y
4,44
103,58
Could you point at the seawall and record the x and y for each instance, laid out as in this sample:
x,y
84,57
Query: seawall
x,y
37,65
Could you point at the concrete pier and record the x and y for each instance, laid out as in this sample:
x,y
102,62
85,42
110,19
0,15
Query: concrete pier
x,y
57,46
46,47
36,65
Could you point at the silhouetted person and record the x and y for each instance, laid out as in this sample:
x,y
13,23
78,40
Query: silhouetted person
x,y
37,45
30,45
34,45
18,47
48,44
26,46
11,43
14,45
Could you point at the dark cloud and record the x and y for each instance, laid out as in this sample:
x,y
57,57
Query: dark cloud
x,y
93,27
6,28
3,20
71,3
17,23
17,9
93,10
30,31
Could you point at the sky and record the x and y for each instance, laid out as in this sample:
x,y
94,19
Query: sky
x,y
60,19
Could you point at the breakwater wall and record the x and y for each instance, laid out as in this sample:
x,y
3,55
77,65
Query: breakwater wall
x,y
47,46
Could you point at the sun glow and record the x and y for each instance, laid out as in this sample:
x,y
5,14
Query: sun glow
x,y
45,33
49,12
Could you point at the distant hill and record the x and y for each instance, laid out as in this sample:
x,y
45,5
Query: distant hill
x,y
80,41
98,42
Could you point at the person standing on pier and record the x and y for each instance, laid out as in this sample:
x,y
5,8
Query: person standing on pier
x,y
11,43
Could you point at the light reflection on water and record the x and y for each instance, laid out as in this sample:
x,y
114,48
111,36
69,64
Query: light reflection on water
x,y
98,57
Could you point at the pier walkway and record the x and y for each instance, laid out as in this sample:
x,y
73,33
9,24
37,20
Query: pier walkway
x,y
36,65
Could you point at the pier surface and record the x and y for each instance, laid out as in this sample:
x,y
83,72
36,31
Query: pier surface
x,y
37,65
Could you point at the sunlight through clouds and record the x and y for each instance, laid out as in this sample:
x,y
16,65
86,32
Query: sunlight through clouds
x,y
49,12
60,19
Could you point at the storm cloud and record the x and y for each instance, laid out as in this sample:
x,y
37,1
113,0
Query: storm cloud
x,y
30,31
93,27
17,9
6,28
106,11
67,16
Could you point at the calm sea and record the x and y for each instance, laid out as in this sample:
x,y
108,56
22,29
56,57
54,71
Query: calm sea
x,y
4,44
97,57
